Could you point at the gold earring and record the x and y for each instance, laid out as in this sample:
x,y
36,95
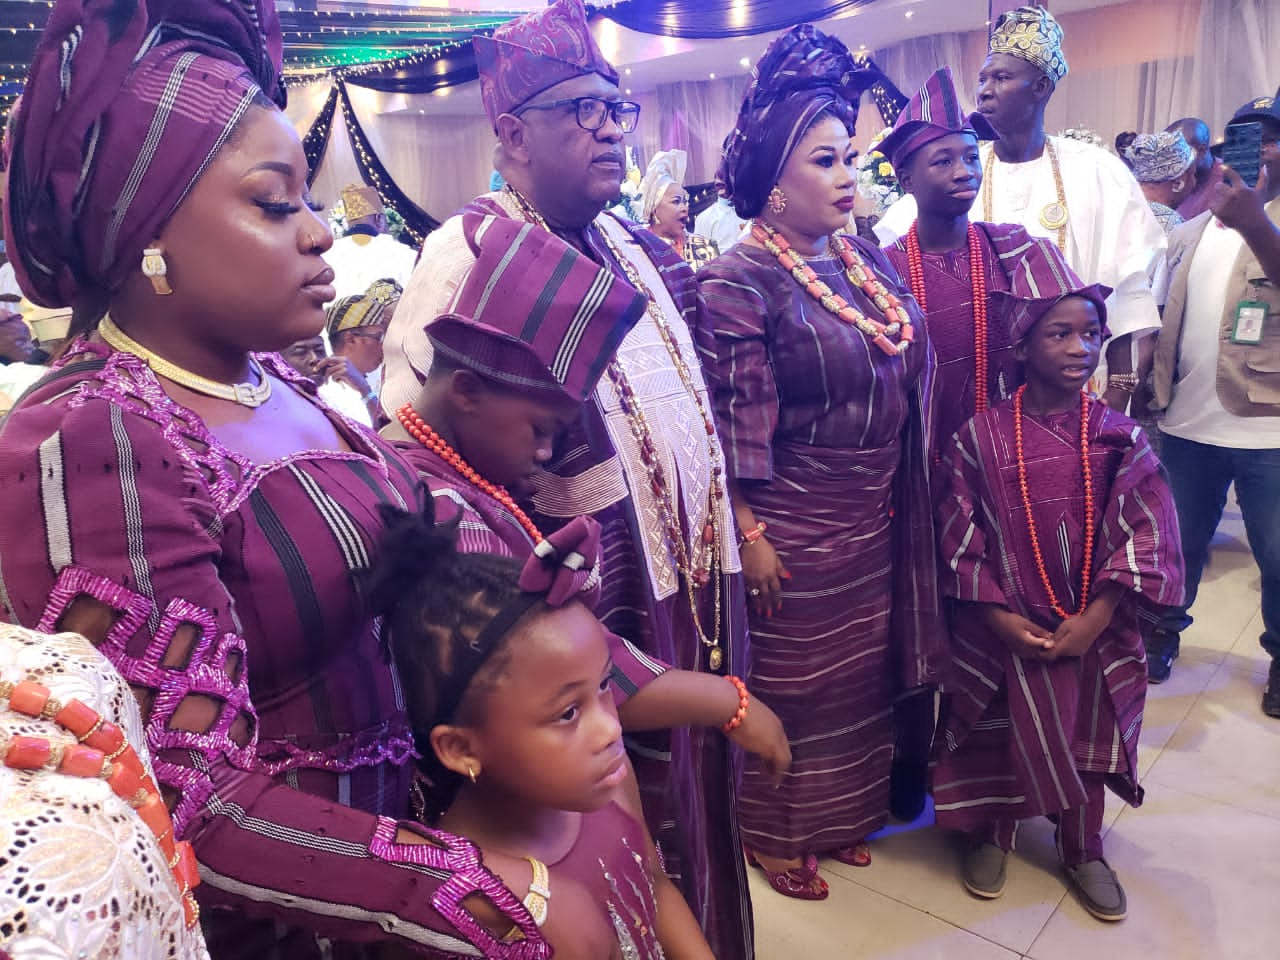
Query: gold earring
x,y
156,270
777,200
471,773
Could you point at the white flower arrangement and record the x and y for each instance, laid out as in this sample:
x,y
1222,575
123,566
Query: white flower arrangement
x,y
628,203
876,180
1084,135
338,221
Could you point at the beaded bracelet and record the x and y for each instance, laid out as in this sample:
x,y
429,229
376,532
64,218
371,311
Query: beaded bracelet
x,y
744,700
755,533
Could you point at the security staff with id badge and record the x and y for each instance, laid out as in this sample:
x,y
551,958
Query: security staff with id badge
x,y
1217,375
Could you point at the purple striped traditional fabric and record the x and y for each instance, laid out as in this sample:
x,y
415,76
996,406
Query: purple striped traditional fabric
x,y
688,777
116,493
934,112
949,293
531,53
827,437
485,526
1017,733
534,313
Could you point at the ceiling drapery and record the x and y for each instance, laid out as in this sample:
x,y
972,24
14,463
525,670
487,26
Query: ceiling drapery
x,y
728,18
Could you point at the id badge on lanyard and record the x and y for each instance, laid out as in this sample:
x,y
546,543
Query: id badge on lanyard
x,y
1251,317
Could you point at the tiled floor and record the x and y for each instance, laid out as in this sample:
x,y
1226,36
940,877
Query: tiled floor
x,y
1200,860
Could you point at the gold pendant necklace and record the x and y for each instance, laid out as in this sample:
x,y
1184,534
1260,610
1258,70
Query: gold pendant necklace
x,y
246,394
1053,216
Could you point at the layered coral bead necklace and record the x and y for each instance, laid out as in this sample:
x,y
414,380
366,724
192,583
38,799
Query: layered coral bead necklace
x,y
698,563
859,274
1086,472
426,435
100,752
978,284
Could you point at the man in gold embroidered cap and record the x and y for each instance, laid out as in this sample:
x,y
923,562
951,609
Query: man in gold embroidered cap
x,y
366,252
1079,196
644,457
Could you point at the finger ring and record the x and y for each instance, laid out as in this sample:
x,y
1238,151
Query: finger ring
x,y
755,591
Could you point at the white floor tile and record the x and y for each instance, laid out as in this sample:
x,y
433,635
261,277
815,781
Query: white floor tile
x,y
855,923
1200,878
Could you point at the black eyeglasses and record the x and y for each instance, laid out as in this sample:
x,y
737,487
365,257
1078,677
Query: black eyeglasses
x,y
591,112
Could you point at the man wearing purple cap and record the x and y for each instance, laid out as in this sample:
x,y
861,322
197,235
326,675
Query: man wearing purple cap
x,y
1217,380
644,457
1079,196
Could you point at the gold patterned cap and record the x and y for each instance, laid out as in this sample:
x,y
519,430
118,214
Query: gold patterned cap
x,y
384,291
360,201
1031,34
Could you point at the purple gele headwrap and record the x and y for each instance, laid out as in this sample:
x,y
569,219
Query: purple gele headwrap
x,y
934,112
803,73
534,52
126,103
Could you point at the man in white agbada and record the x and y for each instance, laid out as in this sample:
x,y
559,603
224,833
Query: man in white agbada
x,y
366,252
1078,195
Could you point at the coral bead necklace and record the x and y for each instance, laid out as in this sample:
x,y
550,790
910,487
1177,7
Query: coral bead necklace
x,y
861,276
101,752
978,283
423,432
1086,471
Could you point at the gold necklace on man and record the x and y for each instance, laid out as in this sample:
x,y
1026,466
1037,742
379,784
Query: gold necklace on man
x,y
247,394
1053,216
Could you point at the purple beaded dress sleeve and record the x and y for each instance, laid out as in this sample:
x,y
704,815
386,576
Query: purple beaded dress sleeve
x,y
230,593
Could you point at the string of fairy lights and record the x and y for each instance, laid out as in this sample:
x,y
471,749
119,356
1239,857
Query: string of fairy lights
x,y
318,43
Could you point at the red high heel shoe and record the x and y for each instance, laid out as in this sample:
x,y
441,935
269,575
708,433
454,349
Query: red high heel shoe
x,y
855,855
796,882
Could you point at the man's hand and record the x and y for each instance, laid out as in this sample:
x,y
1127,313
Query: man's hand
x,y
1238,206
342,370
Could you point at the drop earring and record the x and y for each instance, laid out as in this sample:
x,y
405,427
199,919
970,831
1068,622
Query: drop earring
x,y
777,200
471,773
156,270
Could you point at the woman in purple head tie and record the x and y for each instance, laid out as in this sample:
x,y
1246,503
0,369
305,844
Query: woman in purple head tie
x,y
822,378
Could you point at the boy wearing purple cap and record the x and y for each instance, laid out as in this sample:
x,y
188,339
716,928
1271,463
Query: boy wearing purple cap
x,y
1056,525
526,340
644,457
958,269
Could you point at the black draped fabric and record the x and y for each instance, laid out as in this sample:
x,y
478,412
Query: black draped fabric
x,y
316,141
417,222
421,74
711,21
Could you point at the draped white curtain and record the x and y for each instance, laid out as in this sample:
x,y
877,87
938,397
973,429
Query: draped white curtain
x,y
1134,66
